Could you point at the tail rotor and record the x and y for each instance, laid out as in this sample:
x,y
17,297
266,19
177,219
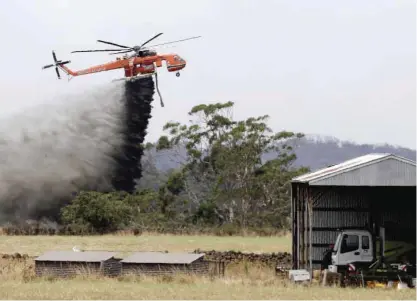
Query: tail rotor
x,y
57,63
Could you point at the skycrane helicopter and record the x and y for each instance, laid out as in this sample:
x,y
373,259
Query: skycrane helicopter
x,y
141,63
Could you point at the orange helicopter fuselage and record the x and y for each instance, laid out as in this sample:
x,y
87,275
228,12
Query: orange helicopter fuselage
x,y
135,65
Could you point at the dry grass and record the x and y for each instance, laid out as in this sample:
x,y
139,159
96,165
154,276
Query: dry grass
x,y
35,245
241,282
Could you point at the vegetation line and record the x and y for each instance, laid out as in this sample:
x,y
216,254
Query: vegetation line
x,y
222,187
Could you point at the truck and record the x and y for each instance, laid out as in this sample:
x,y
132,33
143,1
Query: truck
x,y
366,255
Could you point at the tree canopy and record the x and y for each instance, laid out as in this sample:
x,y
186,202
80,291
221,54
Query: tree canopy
x,y
224,179
225,164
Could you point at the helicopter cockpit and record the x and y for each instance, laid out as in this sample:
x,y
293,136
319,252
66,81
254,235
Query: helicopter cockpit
x,y
175,63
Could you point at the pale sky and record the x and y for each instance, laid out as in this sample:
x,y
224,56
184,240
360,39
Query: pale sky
x,y
340,68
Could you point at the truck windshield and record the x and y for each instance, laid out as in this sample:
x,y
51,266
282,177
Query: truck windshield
x,y
337,243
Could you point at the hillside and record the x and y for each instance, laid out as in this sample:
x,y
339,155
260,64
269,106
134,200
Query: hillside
x,y
313,151
318,152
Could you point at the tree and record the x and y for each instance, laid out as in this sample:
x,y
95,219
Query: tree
x,y
272,188
170,190
225,180
225,167
102,212
151,178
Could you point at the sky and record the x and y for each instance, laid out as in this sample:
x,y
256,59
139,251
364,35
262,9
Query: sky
x,y
336,68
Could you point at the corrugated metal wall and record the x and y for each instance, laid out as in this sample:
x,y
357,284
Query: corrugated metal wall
x,y
200,267
333,208
111,267
389,172
65,269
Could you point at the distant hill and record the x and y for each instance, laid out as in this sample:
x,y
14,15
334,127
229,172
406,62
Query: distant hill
x,y
317,151
313,151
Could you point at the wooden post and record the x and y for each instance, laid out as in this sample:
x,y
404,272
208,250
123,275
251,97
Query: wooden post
x,y
302,235
324,279
310,226
306,235
298,232
305,208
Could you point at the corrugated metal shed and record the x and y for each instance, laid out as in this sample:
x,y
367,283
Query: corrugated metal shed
x,y
162,258
368,170
71,256
371,190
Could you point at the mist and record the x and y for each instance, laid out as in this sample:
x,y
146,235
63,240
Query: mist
x,y
49,152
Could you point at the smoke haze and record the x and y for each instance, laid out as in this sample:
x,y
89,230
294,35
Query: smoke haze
x,y
49,152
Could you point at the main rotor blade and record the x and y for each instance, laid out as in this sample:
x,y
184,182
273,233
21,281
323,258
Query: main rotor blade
x,y
114,44
57,72
95,50
54,56
151,39
174,41
63,63
48,66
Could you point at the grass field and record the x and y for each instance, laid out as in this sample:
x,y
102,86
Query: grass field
x,y
242,281
35,245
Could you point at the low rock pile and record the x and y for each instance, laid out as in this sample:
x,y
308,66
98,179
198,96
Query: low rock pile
x,y
15,256
271,259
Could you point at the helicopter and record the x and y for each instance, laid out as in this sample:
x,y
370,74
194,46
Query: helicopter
x,y
141,63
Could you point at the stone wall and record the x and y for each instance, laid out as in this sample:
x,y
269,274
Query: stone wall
x,y
270,259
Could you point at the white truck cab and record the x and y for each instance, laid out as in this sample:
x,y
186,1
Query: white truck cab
x,y
353,246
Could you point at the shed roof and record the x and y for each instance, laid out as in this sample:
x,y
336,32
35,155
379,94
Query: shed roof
x,y
71,256
159,257
397,171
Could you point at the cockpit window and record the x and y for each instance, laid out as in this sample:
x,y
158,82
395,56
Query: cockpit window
x,y
177,58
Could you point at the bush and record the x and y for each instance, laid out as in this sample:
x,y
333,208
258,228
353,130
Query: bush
x,y
99,212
